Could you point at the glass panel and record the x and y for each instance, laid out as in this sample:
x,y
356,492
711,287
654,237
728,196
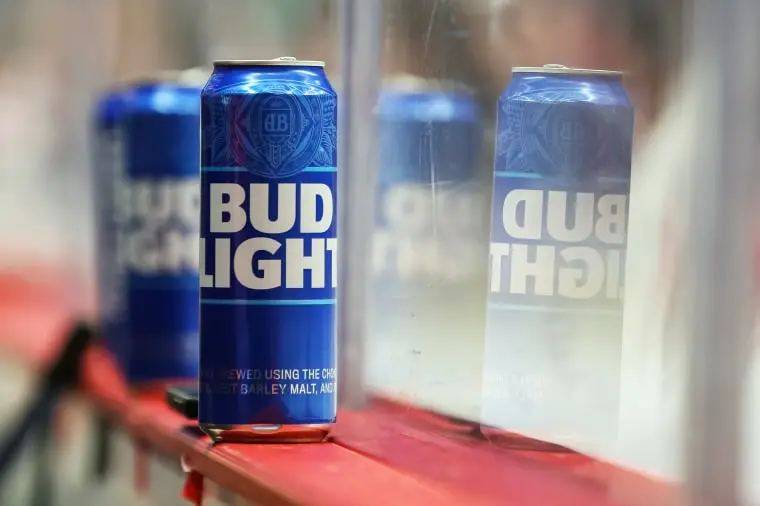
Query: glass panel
x,y
431,216
550,369
261,29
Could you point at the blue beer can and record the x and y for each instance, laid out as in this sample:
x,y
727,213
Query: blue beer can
x,y
429,199
153,194
196,76
557,254
106,157
268,251
430,237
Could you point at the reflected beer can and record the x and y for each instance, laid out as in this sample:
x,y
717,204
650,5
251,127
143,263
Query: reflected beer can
x,y
430,237
268,251
148,207
428,197
557,255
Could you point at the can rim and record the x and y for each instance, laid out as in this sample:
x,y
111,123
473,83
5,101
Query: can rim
x,y
554,68
283,61
194,76
410,83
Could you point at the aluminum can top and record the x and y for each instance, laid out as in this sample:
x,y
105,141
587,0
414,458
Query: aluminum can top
x,y
410,83
553,68
195,76
109,108
283,61
408,97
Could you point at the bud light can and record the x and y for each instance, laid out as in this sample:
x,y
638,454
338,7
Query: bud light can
x,y
268,252
153,193
430,237
557,254
106,157
196,76
429,198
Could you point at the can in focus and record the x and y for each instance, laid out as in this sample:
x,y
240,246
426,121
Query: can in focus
x,y
557,255
268,252
152,191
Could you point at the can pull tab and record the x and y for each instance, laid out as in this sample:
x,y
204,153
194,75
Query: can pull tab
x,y
284,58
554,66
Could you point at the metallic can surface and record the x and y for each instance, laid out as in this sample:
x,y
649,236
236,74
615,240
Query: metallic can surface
x,y
155,205
430,237
268,245
428,196
557,253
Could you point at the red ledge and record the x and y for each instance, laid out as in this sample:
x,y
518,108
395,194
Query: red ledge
x,y
619,484
313,474
386,454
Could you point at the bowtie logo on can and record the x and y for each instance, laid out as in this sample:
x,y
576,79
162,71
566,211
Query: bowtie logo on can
x,y
276,134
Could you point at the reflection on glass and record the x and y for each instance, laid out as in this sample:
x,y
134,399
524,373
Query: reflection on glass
x,y
429,240
557,256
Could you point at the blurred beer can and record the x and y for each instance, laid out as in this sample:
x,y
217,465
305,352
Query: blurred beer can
x,y
557,255
148,219
196,76
429,240
268,251
106,156
429,202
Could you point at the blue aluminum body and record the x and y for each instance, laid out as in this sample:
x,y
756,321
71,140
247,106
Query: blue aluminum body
x,y
268,246
427,135
430,234
557,254
154,192
106,159
428,198
109,109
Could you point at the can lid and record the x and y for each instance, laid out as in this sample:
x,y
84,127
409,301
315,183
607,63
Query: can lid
x,y
406,82
553,68
283,61
410,83
196,76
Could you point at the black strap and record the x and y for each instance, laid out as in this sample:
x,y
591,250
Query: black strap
x,y
61,375
101,461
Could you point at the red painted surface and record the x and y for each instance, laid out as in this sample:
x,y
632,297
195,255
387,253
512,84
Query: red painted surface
x,y
389,454
314,474
34,317
481,470
193,490
430,445
101,378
